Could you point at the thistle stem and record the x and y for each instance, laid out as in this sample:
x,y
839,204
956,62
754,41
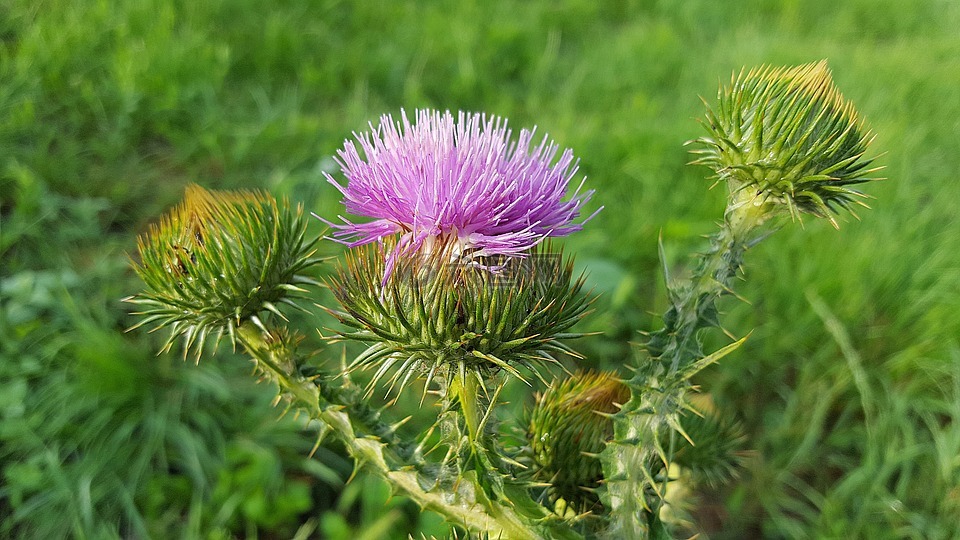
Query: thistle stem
x,y
636,464
475,450
365,438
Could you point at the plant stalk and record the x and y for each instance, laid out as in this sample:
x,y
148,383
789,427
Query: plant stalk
x,y
636,464
472,510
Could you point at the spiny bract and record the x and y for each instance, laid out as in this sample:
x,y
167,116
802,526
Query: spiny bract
x,y
440,315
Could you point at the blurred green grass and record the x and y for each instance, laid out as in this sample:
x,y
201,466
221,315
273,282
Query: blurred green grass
x,y
107,109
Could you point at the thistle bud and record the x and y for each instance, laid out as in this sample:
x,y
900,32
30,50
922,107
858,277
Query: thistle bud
x,y
787,135
568,427
218,260
717,450
438,314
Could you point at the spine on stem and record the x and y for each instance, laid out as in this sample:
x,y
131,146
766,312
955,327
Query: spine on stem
x,y
637,461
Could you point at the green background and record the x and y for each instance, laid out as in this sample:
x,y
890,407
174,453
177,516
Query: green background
x,y
848,388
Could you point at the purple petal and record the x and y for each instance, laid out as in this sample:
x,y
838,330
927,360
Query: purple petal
x,y
462,180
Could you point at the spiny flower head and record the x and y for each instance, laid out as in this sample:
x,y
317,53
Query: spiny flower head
x,y
220,259
788,134
439,319
716,451
457,181
568,427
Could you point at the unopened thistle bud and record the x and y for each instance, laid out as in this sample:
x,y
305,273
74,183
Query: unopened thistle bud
x,y
221,259
569,426
438,315
787,136
716,452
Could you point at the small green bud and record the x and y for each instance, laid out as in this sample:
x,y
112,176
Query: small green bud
x,y
568,427
717,450
788,136
439,316
220,259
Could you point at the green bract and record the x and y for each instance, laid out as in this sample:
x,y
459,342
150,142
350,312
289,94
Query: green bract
x,y
439,315
789,135
218,260
568,427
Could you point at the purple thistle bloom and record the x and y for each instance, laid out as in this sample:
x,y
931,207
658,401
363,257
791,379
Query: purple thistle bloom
x,y
463,182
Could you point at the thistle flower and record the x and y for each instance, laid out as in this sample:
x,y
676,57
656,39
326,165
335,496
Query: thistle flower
x,y
460,182
568,427
218,260
440,319
790,136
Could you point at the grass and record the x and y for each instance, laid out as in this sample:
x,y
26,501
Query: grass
x,y
848,386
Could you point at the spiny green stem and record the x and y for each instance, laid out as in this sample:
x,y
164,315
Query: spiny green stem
x,y
477,513
636,464
693,305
